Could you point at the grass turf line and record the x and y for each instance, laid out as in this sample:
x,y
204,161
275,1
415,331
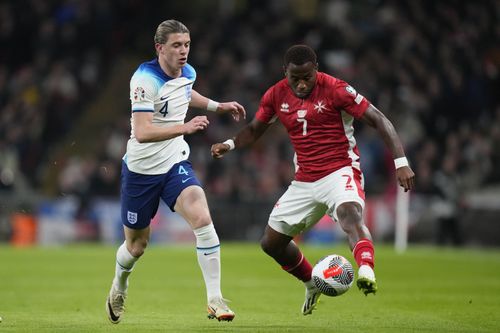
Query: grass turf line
x,y
426,289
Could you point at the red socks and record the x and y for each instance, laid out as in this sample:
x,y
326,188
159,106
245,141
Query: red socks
x,y
364,252
302,270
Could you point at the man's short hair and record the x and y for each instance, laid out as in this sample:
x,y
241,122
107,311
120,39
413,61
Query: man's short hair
x,y
299,55
169,27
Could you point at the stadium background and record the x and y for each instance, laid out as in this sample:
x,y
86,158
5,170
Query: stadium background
x,y
431,67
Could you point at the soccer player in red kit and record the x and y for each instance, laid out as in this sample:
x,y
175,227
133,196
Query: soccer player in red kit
x,y
318,111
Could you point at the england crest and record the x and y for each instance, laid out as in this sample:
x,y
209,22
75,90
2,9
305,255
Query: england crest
x,y
131,217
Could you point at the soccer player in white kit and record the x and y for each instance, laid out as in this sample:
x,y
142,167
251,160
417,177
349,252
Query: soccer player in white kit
x,y
318,111
155,165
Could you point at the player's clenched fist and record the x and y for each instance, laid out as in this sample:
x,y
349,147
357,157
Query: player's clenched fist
x,y
196,124
219,149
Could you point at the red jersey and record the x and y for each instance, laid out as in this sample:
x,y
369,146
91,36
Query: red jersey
x,y
320,127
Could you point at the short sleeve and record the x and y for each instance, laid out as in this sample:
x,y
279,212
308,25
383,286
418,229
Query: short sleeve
x,y
348,99
143,90
266,112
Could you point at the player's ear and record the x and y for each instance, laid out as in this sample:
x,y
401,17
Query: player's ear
x,y
284,70
158,48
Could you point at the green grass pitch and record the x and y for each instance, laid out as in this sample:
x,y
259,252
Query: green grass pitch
x,y
426,289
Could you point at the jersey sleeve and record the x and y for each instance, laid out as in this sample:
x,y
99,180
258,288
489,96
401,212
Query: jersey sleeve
x,y
348,99
143,90
266,112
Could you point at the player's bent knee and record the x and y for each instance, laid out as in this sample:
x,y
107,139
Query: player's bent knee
x,y
265,246
350,213
268,247
138,247
200,221
274,243
137,251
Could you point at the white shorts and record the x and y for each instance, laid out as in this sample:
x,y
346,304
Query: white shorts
x,y
304,204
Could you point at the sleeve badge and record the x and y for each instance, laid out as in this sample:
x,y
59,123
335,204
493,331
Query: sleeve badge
x,y
351,90
139,94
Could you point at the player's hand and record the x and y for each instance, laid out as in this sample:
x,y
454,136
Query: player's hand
x,y
235,108
219,149
406,178
196,124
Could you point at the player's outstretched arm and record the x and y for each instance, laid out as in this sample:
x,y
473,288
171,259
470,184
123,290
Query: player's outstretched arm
x,y
246,136
201,102
146,131
376,119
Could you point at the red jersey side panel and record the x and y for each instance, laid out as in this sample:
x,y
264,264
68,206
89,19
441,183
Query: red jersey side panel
x,y
320,126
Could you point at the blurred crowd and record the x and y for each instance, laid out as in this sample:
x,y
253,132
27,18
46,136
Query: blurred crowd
x,y
432,67
51,65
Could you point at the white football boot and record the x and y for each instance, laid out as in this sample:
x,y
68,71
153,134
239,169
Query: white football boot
x,y
115,304
366,280
311,299
218,309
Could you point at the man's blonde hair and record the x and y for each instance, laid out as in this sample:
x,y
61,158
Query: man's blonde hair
x,y
168,27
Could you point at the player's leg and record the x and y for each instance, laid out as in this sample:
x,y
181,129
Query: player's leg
x,y
182,192
287,254
343,192
192,205
350,218
137,211
128,253
295,212
126,256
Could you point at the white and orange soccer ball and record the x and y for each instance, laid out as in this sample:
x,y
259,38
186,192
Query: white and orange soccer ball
x,y
333,275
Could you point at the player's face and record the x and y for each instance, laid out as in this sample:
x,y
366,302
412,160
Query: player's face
x,y
174,52
301,78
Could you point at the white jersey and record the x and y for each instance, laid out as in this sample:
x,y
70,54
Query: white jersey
x,y
151,90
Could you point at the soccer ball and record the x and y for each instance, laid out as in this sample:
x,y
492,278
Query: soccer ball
x,y
333,275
